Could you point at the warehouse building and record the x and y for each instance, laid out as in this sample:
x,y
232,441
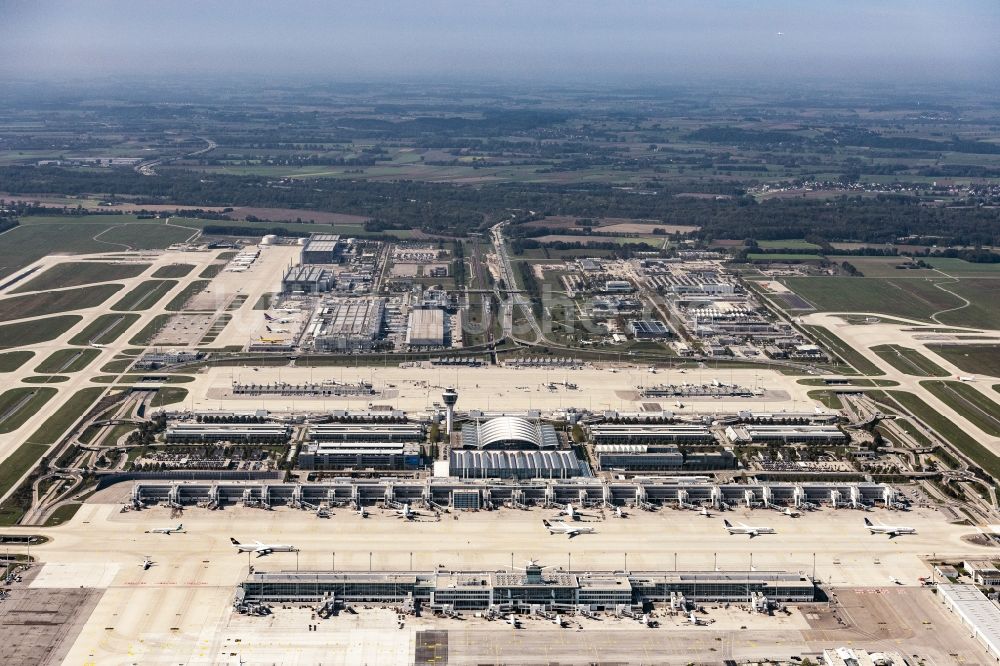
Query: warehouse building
x,y
321,249
159,359
649,329
256,433
976,612
425,328
983,572
514,591
306,279
651,433
788,434
509,432
322,456
349,325
480,464
654,457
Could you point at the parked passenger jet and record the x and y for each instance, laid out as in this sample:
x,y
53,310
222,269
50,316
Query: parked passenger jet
x,y
740,528
275,319
569,530
570,512
891,530
166,530
406,512
263,548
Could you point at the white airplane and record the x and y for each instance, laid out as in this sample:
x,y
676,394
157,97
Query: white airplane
x,y
740,528
406,512
620,513
570,512
97,346
512,621
705,512
559,621
146,563
276,330
263,548
275,320
790,512
891,530
363,512
679,404
569,530
166,530
966,379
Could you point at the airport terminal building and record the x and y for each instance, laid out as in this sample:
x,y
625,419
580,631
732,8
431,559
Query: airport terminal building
x,y
535,587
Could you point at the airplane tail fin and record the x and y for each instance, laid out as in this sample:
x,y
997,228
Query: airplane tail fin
x,y
235,542
268,317
868,522
727,523
546,523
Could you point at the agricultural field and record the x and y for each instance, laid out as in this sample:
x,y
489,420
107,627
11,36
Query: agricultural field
x,y
104,329
909,361
67,360
76,273
39,330
53,302
968,402
975,359
145,295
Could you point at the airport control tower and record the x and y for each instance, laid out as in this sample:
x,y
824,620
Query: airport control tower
x,y
450,397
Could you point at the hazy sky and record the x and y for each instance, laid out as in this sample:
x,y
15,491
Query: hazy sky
x,y
577,41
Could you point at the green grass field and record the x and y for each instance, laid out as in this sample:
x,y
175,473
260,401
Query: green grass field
x,y
63,514
959,267
173,271
909,361
65,416
191,289
168,395
104,329
968,402
67,360
847,354
18,404
40,235
975,359
46,379
76,273
911,298
11,361
13,468
783,256
145,295
790,244
149,331
39,330
211,270
953,433
53,302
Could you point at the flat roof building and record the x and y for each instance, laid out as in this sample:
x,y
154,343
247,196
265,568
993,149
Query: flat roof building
x,y
306,279
791,434
520,591
350,325
321,249
187,433
976,612
652,457
650,433
366,432
320,456
649,329
425,328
